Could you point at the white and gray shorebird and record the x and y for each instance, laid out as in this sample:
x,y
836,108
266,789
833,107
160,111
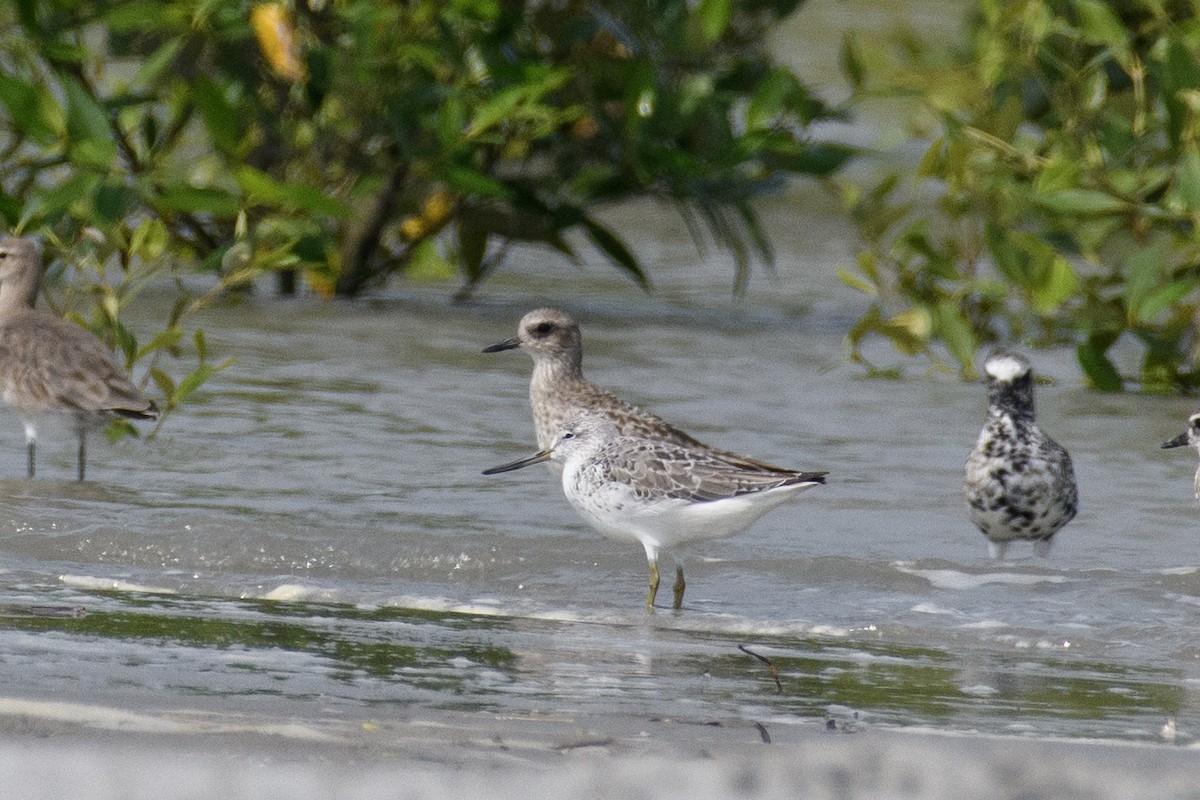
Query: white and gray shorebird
x,y
1190,438
1020,484
558,391
48,365
657,493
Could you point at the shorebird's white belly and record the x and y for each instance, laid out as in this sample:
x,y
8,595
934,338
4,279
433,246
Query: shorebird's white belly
x,y
617,512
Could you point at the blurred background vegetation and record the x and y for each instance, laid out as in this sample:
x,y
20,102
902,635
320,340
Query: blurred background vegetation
x,y
336,143
1058,197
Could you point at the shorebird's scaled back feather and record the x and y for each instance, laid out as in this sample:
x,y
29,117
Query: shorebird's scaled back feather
x,y
658,470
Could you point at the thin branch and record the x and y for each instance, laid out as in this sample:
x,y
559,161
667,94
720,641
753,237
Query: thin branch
x,y
767,661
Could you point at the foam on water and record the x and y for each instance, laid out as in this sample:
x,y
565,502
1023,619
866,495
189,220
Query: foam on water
x,y
953,579
95,583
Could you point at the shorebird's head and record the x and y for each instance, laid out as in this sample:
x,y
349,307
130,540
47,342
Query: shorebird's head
x,y
1190,437
1009,382
16,255
546,334
20,272
579,437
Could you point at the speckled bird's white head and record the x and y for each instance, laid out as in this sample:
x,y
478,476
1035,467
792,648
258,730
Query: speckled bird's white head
x,y
1189,438
1006,367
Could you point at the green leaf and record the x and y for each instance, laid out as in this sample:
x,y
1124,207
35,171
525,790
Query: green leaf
x,y
24,108
769,100
1143,274
149,240
195,379
74,196
472,247
126,342
1100,25
118,429
114,201
713,17
159,62
261,188
426,263
472,182
612,246
1060,174
851,62
163,340
1081,201
504,106
1187,178
90,140
201,345
1158,375
1059,285
812,158
1163,297
1096,365
132,16
199,200
164,382
868,323
855,282
221,120
191,382
955,332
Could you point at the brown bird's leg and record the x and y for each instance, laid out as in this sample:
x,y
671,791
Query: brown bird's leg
x,y
82,451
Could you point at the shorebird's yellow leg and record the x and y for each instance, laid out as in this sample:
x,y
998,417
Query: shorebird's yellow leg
x,y
680,585
654,580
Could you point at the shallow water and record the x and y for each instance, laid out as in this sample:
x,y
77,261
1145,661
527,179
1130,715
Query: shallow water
x,y
312,537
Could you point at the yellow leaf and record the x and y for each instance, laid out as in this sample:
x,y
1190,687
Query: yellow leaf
x,y
433,217
277,40
916,321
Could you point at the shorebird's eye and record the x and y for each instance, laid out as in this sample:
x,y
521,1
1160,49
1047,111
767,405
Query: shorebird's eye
x,y
568,435
542,328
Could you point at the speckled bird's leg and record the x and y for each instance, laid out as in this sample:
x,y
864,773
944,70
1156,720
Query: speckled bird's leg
x,y
30,449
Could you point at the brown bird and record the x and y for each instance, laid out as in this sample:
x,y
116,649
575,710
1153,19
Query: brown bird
x,y
50,365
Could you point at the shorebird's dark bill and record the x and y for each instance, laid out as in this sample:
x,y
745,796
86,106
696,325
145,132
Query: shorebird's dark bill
x,y
1178,441
524,462
507,344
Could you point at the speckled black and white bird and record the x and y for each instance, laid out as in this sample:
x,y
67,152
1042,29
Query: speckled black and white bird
x,y
1191,438
1020,484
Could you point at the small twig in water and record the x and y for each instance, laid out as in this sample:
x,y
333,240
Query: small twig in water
x,y
768,662
583,743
